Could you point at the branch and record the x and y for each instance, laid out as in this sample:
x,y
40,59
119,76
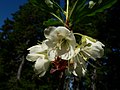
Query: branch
x,y
20,68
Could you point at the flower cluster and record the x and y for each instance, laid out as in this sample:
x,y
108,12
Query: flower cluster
x,y
62,51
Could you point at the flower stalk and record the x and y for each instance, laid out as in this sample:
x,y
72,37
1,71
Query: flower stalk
x,y
67,13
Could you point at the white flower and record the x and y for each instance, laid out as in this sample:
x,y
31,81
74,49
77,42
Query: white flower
x,y
61,41
89,48
41,66
92,49
36,51
38,55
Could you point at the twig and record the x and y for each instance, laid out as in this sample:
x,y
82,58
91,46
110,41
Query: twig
x,y
20,68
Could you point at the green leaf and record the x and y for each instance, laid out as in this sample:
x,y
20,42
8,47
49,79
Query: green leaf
x,y
49,3
33,2
76,10
53,9
82,10
52,22
58,6
42,5
80,5
73,8
102,8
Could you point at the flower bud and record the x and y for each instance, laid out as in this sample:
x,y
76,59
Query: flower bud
x,y
91,4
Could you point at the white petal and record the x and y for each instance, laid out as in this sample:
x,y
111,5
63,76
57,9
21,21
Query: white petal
x,y
65,33
50,43
72,40
66,54
95,50
52,53
41,66
34,57
38,48
50,33
62,31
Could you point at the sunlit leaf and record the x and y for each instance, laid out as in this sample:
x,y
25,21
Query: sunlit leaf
x,y
52,22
